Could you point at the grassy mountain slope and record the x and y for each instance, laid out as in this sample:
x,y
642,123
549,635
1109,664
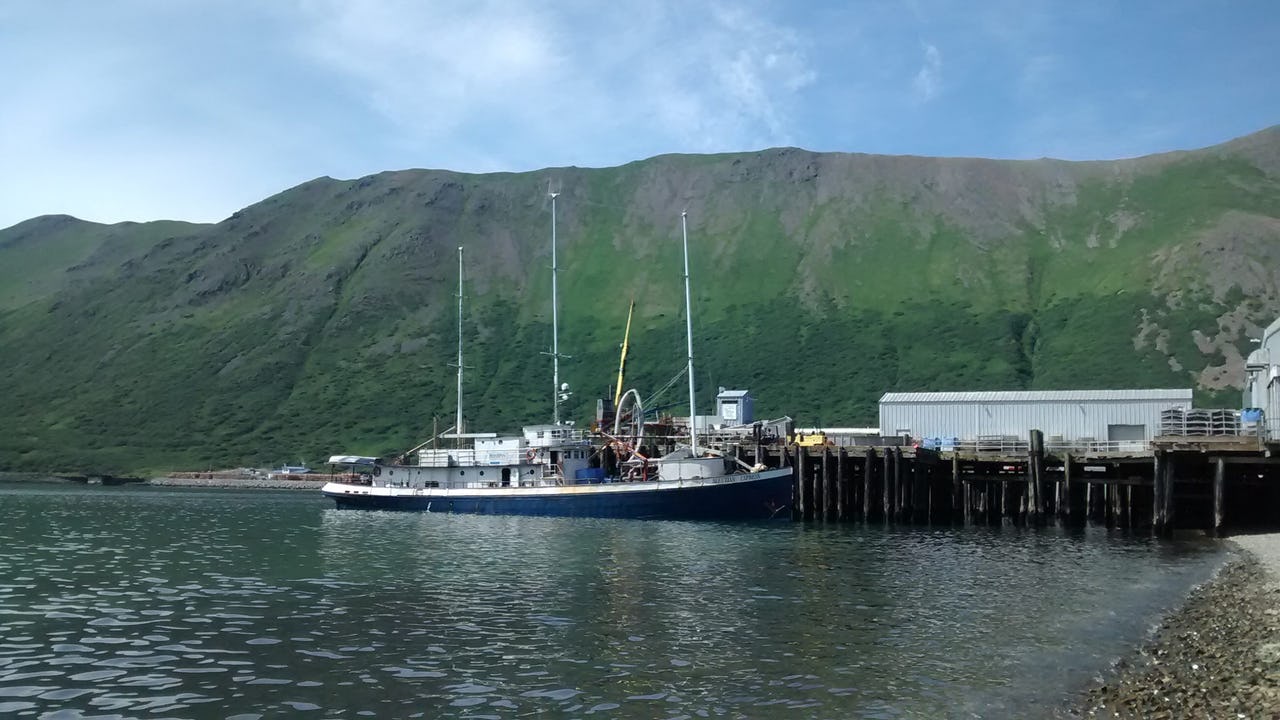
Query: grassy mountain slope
x,y
322,319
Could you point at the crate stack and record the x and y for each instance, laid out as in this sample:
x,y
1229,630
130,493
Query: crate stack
x,y
1199,423
1176,421
1173,421
1224,422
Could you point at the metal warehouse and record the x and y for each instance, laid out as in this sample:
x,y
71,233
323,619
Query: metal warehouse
x,y
1262,379
1065,415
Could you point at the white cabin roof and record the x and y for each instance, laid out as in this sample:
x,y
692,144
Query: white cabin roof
x,y
352,460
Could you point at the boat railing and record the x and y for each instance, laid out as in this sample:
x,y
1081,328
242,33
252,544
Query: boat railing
x,y
469,457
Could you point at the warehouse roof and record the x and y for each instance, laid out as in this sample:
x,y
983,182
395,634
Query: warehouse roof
x,y
1182,395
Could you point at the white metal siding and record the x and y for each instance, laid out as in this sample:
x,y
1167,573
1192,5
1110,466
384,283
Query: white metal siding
x,y
1070,419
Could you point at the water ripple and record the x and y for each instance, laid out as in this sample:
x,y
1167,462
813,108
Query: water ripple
x,y
250,605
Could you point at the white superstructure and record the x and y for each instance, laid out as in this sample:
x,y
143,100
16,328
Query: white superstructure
x,y
1262,380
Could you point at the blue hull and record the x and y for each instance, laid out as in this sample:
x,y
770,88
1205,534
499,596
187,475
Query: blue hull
x,y
759,499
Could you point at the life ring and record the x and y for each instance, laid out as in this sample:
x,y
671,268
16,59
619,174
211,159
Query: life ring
x,y
531,455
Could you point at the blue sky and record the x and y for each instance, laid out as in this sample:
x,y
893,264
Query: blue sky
x,y
192,109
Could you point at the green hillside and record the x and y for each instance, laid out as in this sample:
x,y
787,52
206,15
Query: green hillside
x,y
322,319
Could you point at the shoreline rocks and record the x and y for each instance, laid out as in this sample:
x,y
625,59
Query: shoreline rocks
x,y
262,483
1218,656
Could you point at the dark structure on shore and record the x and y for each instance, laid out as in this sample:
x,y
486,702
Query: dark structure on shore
x,y
1212,483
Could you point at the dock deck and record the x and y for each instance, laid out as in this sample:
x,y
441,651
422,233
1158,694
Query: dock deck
x,y
1211,483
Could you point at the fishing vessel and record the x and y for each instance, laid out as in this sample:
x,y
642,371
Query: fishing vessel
x,y
556,469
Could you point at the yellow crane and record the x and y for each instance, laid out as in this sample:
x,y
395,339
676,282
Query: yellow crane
x,y
622,362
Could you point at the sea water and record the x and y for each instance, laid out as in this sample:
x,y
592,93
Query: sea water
x,y
144,602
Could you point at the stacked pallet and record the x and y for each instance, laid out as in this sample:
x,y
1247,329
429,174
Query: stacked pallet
x,y
1199,423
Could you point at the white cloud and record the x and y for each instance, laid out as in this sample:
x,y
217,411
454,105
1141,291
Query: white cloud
x,y
928,81
656,77
142,109
145,109
429,66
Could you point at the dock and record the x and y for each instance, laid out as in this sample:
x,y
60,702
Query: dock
x,y
1211,483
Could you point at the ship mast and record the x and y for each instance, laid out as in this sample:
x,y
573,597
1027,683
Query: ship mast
x,y
555,328
688,319
457,420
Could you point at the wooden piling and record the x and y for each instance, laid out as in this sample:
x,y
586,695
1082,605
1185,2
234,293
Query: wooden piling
x,y
869,504
1162,503
1219,495
957,491
1064,491
1077,494
842,490
1219,492
899,491
827,507
1098,502
1008,501
995,503
886,484
1035,477
802,480
815,489
919,491
1115,496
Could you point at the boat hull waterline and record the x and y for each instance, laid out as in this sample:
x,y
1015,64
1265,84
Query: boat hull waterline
x,y
749,496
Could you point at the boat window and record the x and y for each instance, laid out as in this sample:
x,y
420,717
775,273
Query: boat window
x,y
462,472
481,473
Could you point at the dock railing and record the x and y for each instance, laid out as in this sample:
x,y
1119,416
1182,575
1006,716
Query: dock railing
x,y
1207,426
1013,445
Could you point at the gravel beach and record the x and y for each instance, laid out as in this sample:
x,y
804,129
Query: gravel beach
x,y
263,483
1216,657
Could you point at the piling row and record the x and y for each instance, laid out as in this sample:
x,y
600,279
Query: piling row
x,y
1158,491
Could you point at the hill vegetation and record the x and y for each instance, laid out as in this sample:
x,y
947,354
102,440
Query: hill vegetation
x,y
322,319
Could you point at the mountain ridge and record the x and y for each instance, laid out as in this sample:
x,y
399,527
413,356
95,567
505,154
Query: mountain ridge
x,y
321,318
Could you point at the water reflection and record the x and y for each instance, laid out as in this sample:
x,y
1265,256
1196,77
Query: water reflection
x,y
215,604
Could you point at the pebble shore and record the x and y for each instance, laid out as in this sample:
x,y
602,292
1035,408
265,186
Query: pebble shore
x,y
1216,657
263,483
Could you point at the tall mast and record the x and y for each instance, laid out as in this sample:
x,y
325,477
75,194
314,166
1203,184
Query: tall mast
x,y
555,320
688,321
457,420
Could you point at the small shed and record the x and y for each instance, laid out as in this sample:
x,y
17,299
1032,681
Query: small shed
x,y
735,407
1063,415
